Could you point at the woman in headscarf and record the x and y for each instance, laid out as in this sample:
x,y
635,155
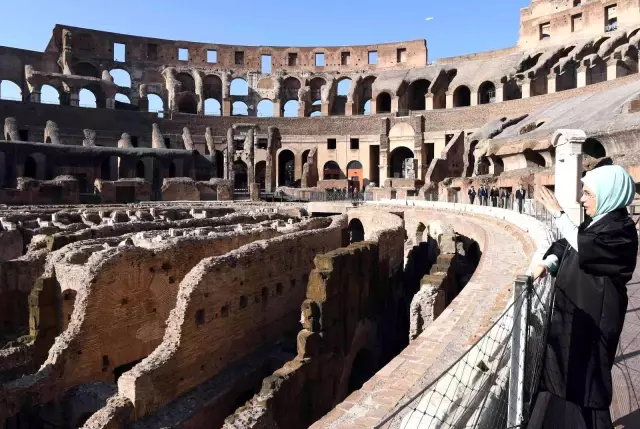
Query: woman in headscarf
x,y
592,265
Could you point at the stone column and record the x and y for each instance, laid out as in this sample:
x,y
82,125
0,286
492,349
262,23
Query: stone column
x,y
395,102
277,108
110,102
348,108
499,94
526,88
226,106
568,171
374,108
34,95
474,97
324,108
449,100
428,101
615,69
74,97
552,81
582,76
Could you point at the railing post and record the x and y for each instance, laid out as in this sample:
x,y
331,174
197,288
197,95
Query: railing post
x,y
518,352
527,394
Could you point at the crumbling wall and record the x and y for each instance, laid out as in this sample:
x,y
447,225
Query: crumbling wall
x,y
228,306
123,190
180,189
61,190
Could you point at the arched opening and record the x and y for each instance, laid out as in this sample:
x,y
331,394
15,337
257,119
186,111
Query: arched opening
x,y
30,168
123,99
286,168
172,170
155,103
265,108
212,107
86,69
49,95
356,231
417,91
597,73
87,99
511,90
188,104
10,91
291,109
240,181
219,164
402,160
212,87
354,173
316,109
121,78
239,108
261,174
593,148
462,96
383,103
486,93
105,169
568,78
331,171
362,369
534,159
187,83
140,170
239,87
483,166
367,108
340,100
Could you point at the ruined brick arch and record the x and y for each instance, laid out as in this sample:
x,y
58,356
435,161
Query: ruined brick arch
x,y
239,87
364,93
265,83
9,90
290,87
265,107
383,103
486,92
49,95
416,92
286,168
96,90
85,68
121,76
188,103
315,88
594,148
534,159
239,108
340,92
188,83
462,96
212,87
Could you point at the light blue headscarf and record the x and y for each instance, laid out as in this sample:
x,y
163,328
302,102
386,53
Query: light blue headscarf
x,y
613,186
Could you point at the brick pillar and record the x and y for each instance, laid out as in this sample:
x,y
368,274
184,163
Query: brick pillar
x,y
526,88
499,94
395,102
449,100
474,97
277,108
226,107
74,97
34,96
582,76
428,101
324,108
374,108
349,108
110,103
552,82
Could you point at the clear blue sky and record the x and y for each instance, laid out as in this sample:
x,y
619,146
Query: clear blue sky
x,y
458,26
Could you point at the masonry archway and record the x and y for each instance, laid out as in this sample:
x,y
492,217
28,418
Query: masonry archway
x,y
187,83
417,91
261,174
402,163
593,148
286,168
462,96
240,179
356,231
486,93
331,171
383,103
355,174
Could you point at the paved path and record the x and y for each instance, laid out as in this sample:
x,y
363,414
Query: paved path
x,y
625,409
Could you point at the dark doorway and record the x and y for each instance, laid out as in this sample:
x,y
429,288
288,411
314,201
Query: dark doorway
x,y
356,231
362,369
118,371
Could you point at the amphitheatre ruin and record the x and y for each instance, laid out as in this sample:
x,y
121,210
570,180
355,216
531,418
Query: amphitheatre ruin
x,y
171,256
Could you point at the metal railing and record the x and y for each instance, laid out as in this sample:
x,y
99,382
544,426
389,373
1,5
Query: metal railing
x,y
494,384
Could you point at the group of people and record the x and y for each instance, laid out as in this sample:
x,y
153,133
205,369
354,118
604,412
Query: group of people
x,y
499,197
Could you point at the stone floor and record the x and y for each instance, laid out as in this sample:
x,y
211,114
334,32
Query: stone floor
x,y
625,409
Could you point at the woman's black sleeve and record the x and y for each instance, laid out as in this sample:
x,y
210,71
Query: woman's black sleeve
x,y
558,248
608,253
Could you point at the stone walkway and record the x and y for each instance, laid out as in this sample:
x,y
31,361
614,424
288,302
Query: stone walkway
x,y
625,409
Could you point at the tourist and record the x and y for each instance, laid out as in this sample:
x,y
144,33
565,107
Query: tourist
x,y
472,194
481,195
521,194
494,196
504,197
595,261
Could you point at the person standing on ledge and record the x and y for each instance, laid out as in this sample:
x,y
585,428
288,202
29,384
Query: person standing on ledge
x,y
472,194
521,194
494,196
592,265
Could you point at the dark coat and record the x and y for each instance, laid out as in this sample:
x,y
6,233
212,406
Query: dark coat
x,y
494,193
521,194
589,310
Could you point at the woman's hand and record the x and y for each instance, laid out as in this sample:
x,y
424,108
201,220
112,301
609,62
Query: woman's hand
x,y
547,199
540,272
